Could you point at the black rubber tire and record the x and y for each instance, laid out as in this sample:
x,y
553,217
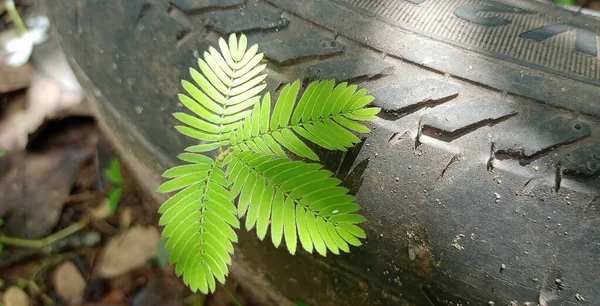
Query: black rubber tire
x,y
480,181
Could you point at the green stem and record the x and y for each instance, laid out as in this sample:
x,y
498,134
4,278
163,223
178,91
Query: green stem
x,y
14,15
50,262
36,291
289,127
40,243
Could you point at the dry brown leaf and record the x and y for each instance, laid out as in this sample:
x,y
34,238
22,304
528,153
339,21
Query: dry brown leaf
x,y
14,78
128,251
69,283
52,90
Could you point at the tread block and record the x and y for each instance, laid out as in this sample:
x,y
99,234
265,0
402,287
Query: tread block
x,y
454,118
400,98
259,17
583,161
541,136
349,68
190,5
284,47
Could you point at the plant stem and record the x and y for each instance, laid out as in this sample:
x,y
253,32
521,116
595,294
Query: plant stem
x,y
14,15
50,262
36,291
40,243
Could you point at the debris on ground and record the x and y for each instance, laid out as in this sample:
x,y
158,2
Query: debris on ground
x,y
15,296
159,292
69,283
53,91
128,251
456,242
36,185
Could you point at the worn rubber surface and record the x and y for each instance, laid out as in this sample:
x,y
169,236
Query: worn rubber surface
x,y
480,180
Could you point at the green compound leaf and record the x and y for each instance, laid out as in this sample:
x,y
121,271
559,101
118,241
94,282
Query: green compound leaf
x,y
283,197
324,115
199,222
251,175
221,93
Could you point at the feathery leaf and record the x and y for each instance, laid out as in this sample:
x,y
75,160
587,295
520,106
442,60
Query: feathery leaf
x,y
300,202
223,90
198,221
285,190
324,115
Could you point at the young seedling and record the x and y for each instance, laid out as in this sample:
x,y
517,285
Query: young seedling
x,y
113,175
241,168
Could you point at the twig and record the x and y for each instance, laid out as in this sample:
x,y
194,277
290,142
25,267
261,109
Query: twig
x,y
40,243
14,15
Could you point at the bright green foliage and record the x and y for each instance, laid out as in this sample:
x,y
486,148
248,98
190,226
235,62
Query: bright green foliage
x,y
252,175
114,176
323,116
113,172
275,190
228,85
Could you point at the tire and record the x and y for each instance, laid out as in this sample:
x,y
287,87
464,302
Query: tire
x,y
480,180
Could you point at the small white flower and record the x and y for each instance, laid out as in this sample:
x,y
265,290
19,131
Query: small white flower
x,y
17,48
